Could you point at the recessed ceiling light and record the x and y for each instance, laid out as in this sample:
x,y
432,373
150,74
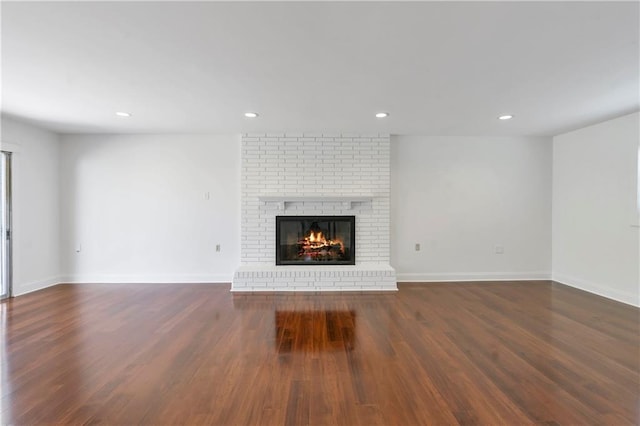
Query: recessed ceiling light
x,y
505,117
123,114
382,114
251,114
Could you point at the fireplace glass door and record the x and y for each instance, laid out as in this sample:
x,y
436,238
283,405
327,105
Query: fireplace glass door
x,y
315,240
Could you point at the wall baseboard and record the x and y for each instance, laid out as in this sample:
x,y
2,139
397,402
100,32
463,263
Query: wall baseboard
x,y
147,279
599,289
472,276
19,290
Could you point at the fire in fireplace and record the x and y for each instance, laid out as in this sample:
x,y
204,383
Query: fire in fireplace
x,y
315,240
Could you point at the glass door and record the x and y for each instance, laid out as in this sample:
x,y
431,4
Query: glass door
x,y
5,225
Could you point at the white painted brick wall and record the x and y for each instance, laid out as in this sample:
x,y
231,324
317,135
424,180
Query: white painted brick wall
x,y
313,164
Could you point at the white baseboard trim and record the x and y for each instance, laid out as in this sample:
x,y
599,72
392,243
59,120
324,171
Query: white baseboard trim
x,y
599,289
148,279
472,276
20,289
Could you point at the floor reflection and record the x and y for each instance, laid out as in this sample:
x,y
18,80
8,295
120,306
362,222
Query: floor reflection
x,y
315,331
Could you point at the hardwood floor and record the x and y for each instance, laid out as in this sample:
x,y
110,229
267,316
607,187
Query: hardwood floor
x,y
473,353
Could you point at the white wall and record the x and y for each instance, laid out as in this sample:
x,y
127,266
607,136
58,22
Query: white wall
x,y
460,197
595,204
135,205
36,260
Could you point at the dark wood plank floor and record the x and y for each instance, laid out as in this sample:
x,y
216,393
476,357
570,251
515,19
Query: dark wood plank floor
x,y
481,353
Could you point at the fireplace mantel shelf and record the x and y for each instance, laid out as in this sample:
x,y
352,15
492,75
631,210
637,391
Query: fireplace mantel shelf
x,y
346,200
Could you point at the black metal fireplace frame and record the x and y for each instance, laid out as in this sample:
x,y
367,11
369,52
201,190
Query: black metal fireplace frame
x,y
352,241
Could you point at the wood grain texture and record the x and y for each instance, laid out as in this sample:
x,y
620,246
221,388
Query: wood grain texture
x,y
512,353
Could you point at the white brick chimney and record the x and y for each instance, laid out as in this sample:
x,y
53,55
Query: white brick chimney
x,y
315,174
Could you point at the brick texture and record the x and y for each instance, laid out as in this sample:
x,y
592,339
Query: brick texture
x,y
316,165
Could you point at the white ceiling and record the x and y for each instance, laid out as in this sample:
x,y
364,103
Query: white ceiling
x,y
439,68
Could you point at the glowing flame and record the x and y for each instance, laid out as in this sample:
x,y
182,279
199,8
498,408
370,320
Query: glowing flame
x,y
317,240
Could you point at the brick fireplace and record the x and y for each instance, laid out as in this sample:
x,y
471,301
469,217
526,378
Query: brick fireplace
x,y
315,175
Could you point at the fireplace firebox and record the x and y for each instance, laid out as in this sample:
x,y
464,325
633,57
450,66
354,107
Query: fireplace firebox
x,y
315,240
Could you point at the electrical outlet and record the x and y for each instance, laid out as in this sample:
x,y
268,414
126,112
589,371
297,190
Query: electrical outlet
x,y
499,249
417,246
207,195
217,247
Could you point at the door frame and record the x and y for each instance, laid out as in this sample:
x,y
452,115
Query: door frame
x,y
6,237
